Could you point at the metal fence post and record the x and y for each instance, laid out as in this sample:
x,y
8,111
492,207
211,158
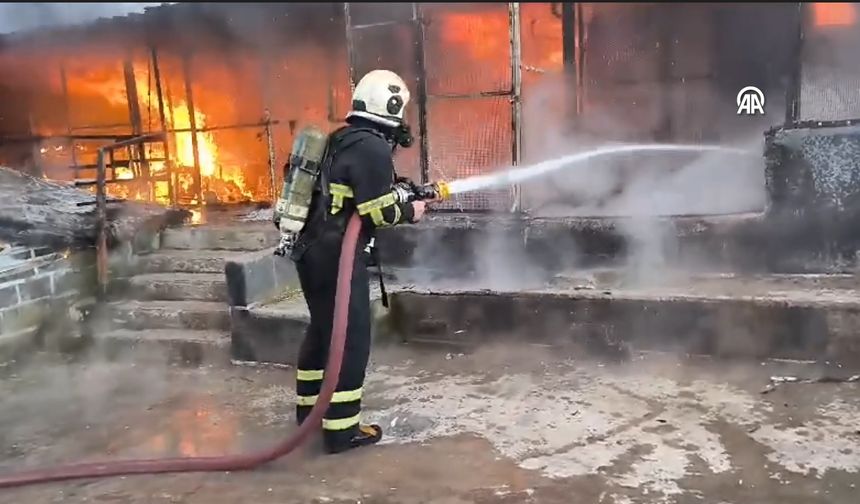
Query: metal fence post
x,y
101,228
792,91
350,48
270,151
192,121
421,71
168,170
516,92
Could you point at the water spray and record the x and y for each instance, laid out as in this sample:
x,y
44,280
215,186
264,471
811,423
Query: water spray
x,y
521,174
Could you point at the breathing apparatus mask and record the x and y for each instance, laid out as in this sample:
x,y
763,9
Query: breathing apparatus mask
x,y
400,136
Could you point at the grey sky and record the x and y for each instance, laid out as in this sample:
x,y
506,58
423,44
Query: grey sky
x,y
25,16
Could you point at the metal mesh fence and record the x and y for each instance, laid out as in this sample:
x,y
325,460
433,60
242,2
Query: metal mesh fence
x,y
470,136
467,48
392,47
306,82
469,113
830,63
385,46
623,44
671,72
622,72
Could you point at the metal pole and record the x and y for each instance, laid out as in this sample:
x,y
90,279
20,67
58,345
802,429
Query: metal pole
x,y
792,91
36,148
331,74
665,19
569,56
421,71
168,100
267,116
270,144
135,118
171,196
68,116
568,35
189,97
580,57
516,93
350,47
101,228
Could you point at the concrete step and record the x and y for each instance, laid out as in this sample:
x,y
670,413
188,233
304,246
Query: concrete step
x,y
185,261
186,346
270,333
274,332
245,236
179,287
144,315
741,319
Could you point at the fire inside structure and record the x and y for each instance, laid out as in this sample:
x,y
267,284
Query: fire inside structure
x,y
495,84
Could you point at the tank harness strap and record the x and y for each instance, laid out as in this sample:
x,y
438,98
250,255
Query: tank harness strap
x,y
326,195
338,193
342,140
375,207
374,254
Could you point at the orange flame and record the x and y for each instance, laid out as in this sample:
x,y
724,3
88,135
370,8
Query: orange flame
x,y
225,181
483,34
834,14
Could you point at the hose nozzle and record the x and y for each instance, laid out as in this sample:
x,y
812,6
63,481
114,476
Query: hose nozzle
x,y
433,190
443,190
409,191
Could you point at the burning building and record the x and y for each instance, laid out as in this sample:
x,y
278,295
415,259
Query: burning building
x,y
495,85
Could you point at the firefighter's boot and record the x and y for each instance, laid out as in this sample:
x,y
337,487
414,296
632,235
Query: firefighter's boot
x,y
362,435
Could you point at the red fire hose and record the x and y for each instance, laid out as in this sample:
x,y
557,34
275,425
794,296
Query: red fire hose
x,y
239,462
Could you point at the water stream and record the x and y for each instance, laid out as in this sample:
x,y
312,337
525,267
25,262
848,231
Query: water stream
x,y
520,174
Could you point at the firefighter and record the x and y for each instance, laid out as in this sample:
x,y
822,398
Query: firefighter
x,y
357,176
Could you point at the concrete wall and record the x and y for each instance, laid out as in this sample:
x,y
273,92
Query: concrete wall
x,y
813,178
37,289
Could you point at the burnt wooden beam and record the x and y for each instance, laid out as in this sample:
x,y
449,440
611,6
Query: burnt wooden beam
x,y
156,70
189,98
134,115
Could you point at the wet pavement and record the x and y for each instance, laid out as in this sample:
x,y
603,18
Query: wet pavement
x,y
504,424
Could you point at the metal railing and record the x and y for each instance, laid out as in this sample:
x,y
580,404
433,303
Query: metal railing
x,y
101,205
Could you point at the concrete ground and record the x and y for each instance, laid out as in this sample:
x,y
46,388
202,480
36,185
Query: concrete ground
x,y
501,425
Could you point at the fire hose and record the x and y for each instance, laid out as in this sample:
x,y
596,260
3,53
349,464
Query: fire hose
x,y
238,462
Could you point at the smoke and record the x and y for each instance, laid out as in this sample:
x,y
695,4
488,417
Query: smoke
x,y
641,193
639,184
502,262
15,17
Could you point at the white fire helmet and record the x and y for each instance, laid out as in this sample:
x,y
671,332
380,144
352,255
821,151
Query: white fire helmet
x,y
380,96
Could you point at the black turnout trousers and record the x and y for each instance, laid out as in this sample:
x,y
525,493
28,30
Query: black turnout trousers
x,y
318,270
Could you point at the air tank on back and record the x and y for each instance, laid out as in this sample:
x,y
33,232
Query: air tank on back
x,y
305,159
